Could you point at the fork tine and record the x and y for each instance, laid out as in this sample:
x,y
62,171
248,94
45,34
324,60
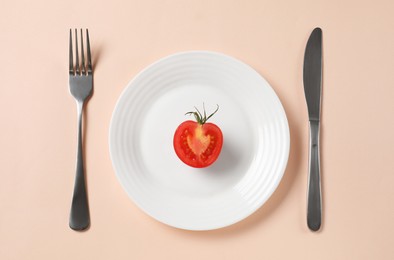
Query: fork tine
x,y
71,65
76,53
82,55
89,57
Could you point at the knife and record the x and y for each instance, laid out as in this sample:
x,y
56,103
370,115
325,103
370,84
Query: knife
x,y
312,88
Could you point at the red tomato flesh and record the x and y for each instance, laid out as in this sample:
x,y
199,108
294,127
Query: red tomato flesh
x,y
198,145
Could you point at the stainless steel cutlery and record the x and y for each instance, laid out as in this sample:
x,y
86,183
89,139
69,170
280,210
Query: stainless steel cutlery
x,y
312,87
81,88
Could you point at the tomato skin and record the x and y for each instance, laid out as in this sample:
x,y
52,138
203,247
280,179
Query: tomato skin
x,y
198,145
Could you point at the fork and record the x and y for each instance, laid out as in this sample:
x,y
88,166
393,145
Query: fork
x,y
81,88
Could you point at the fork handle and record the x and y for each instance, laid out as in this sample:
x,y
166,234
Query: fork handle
x,y
314,210
79,215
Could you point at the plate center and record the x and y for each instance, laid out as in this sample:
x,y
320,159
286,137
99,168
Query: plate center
x,y
162,118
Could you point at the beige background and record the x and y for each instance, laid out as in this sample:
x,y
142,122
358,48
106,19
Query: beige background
x,y
38,126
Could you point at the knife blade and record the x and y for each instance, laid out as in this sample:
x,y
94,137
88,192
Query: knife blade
x,y
312,86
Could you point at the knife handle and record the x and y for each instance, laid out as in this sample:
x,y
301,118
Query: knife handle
x,y
314,210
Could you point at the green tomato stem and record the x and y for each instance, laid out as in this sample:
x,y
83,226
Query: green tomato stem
x,y
202,119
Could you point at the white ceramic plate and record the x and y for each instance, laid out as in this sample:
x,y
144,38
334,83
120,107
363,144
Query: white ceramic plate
x,y
255,147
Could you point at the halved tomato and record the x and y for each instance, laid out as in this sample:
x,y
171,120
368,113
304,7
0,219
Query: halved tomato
x,y
198,144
